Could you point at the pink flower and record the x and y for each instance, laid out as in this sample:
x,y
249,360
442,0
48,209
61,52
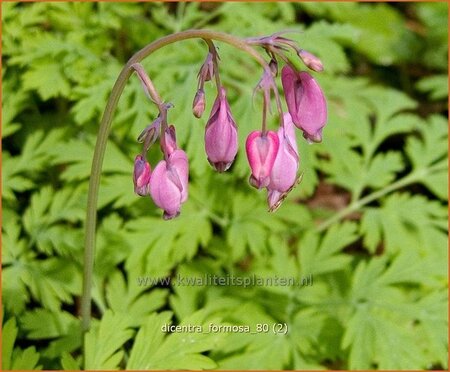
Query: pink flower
x,y
141,176
285,167
261,153
306,102
169,183
221,134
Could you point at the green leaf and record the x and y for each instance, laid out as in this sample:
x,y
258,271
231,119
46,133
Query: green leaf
x,y
20,171
435,37
61,327
429,155
318,256
432,146
9,331
91,99
437,183
50,281
68,363
14,101
382,169
264,350
251,225
112,246
152,349
435,85
77,155
308,330
380,309
401,221
163,244
42,323
380,41
433,318
14,358
48,79
47,215
132,300
104,341
327,41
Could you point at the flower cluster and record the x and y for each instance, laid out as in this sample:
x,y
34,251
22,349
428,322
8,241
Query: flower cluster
x,y
272,154
168,183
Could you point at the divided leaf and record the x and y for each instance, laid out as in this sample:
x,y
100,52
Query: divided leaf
x,y
104,341
318,256
14,358
152,349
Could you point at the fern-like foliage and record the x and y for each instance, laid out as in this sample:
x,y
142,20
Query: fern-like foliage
x,y
363,237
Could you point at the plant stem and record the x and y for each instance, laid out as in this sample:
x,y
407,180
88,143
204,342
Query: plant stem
x,y
102,138
213,51
264,115
148,84
354,206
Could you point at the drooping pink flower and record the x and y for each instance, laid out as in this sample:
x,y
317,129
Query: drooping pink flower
x,y
306,102
221,143
285,167
169,183
261,153
141,176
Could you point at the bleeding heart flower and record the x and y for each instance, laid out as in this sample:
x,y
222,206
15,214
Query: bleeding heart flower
x,y
261,153
285,167
306,102
221,143
169,183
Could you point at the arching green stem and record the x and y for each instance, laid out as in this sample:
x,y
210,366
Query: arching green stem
x,y
105,127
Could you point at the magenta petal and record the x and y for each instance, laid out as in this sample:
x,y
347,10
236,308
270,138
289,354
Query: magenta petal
x,y
168,184
221,142
312,107
179,161
261,154
273,198
141,176
163,191
285,167
289,128
288,80
306,102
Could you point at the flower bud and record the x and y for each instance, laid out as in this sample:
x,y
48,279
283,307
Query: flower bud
x,y
221,134
305,101
198,106
141,176
261,153
169,184
207,70
310,60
